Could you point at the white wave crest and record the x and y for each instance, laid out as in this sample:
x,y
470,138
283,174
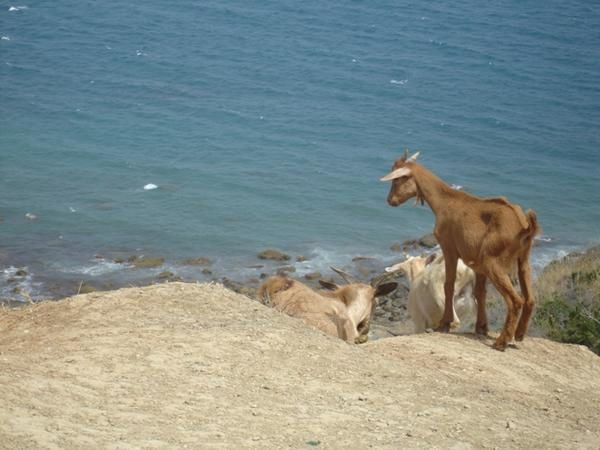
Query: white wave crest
x,y
150,187
17,8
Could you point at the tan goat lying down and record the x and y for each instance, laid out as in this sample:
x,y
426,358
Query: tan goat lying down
x,y
426,276
492,237
344,312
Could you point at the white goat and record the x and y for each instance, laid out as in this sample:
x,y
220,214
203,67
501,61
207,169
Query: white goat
x,y
344,312
426,297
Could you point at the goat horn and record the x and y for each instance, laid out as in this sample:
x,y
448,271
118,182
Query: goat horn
x,y
401,172
346,276
414,157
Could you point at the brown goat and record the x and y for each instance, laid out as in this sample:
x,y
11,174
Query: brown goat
x,y
491,236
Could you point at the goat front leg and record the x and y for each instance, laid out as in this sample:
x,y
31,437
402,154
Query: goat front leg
x,y
451,260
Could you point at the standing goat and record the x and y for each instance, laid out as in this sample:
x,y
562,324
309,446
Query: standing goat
x,y
426,276
491,236
344,311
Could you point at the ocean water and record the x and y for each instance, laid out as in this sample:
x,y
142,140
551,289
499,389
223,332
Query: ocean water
x,y
267,124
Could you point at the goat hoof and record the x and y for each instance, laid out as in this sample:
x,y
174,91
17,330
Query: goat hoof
x,y
482,330
519,338
499,345
361,339
443,328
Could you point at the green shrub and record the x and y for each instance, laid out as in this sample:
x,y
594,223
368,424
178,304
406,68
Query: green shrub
x,y
568,292
573,322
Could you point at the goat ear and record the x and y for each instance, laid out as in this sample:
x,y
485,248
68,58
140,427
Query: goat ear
x,y
328,285
385,289
398,173
431,258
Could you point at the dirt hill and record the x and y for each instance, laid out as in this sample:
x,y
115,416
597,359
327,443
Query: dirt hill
x,y
198,366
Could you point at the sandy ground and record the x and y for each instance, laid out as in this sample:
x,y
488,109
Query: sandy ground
x,y
198,366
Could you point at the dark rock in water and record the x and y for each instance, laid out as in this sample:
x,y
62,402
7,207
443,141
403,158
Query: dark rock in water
x,y
146,262
313,276
207,271
361,258
285,270
428,241
397,247
119,260
274,255
410,244
256,266
164,275
263,275
301,258
21,273
199,261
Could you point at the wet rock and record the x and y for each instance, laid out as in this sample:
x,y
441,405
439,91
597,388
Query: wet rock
x,y
428,241
21,273
274,255
146,262
285,270
312,276
199,261
255,266
165,275
298,258
361,258
119,260
207,271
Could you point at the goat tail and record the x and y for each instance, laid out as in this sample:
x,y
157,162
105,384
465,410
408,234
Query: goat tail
x,y
532,230
271,287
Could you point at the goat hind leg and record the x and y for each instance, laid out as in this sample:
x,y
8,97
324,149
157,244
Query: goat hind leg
x,y
481,326
524,270
513,307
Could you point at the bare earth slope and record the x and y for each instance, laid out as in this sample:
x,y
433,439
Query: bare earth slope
x,y
198,366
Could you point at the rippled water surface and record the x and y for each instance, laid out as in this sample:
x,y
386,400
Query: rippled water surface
x,y
268,124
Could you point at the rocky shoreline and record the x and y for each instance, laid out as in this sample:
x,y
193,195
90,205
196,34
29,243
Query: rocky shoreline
x,y
390,319
390,316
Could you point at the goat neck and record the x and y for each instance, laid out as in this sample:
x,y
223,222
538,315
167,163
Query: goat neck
x,y
430,188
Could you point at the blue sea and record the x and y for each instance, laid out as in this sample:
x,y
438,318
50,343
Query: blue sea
x,y
267,124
